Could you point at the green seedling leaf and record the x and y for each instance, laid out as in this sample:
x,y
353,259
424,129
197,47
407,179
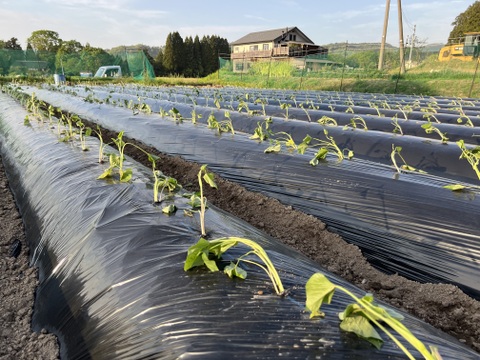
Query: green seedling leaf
x,y
219,248
273,149
303,146
170,209
106,174
233,270
152,158
195,201
362,328
427,126
408,167
455,187
320,155
209,179
200,253
210,264
188,213
319,291
126,175
195,254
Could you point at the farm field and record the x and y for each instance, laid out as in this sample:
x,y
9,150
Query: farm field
x,y
380,192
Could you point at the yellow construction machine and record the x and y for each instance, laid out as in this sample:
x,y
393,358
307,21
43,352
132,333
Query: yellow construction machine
x,y
466,48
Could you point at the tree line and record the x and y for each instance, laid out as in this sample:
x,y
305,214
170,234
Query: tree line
x,y
191,57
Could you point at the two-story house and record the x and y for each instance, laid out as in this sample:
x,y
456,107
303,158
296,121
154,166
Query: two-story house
x,y
279,44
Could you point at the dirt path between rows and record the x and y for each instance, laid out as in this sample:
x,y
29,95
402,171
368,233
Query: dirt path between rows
x,y
17,288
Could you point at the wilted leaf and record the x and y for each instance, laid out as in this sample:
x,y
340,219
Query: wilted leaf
x,y
362,327
319,290
234,271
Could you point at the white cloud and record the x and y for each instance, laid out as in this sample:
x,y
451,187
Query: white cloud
x,y
256,17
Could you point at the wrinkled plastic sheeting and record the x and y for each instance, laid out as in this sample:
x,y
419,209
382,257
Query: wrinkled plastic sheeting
x,y
380,120
420,150
407,224
112,284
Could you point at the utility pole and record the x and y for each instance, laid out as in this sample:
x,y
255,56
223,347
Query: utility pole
x,y
400,35
384,35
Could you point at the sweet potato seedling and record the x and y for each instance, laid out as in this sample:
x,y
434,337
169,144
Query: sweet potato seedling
x,y
430,128
175,114
200,254
195,116
262,132
285,106
285,139
162,183
463,116
262,102
83,132
327,121
356,122
397,129
361,316
329,146
221,126
405,110
70,131
471,155
306,112
404,167
34,106
207,177
102,145
116,161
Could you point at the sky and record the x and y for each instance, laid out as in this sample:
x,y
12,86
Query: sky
x,y
110,23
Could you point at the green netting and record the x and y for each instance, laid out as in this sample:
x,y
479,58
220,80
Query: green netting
x,y
138,65
85,62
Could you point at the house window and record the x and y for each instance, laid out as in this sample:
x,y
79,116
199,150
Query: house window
x,y
253,47
292,37
266,46
239,66
236,49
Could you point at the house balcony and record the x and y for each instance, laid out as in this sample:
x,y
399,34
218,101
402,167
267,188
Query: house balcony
x,y
293,50
278,51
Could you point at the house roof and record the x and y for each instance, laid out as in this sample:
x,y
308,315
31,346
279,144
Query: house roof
x,y
267,36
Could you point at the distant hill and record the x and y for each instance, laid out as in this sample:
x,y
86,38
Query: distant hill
x,y
356,47
335,47
433,47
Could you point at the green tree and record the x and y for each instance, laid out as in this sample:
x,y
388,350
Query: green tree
x,y
189,57
11,55
158,63
12,44
197,66
92,58
208,55
211,47
68,59
45,43
467,21
173,54
45,40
